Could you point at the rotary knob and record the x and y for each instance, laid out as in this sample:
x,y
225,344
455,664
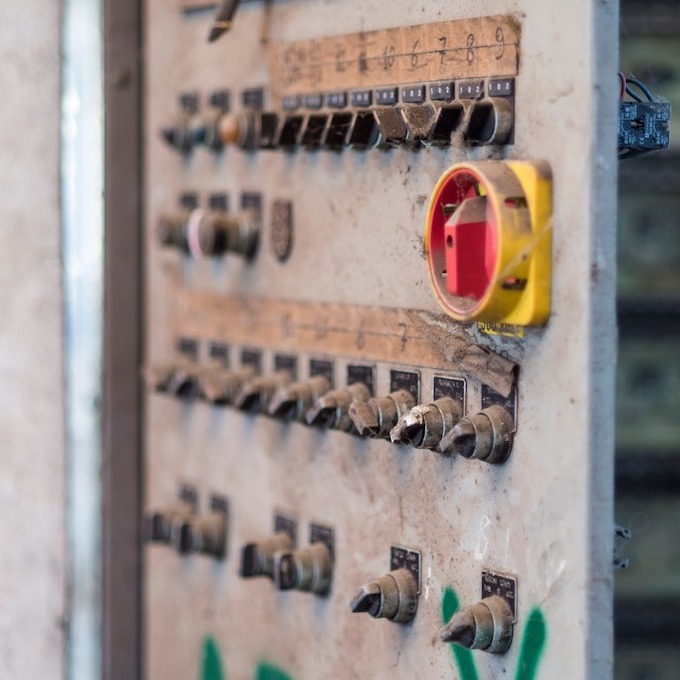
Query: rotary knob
x,y
213,234
393,596
377,416
425,425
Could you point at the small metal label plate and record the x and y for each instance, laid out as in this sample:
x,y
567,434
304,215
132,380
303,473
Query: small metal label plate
x,y
502,585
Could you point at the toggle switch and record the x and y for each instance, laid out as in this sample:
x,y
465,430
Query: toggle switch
x,y
293,401
487,625
204,534
314,131
171,230
331,411
364,132
213,234
186,130
236,129
339,126
425,425
218,127
257,559
308,569
490,121
157,524
179,378
223,19
486,436
269,129
393,130
420,121
449,119
289,132
393,596
220,386
377,416
255,395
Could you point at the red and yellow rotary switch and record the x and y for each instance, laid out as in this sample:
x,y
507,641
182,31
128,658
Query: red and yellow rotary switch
x,y
488,241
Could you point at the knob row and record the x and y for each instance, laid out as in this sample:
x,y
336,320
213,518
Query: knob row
x,y
489,121
438,426
486,625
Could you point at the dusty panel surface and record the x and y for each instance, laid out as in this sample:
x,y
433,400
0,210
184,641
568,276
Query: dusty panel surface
x,y
355,289
32,490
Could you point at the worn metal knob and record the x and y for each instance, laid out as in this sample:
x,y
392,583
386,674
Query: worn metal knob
x,y
377,416
220,386
293,401
393,596
424,426
486,436
486,625
206,534
331,411
309,569
212,234
255,395
257,559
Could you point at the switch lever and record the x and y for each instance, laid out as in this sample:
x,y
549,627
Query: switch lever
x,y
377,416
224,17
293,401
331,411
486,436
425,425
486,625
393,596
257,559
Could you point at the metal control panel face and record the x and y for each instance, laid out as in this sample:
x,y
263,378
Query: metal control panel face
x,y
379,351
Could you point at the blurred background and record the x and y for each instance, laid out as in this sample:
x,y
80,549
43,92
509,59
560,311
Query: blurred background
x,y
647,605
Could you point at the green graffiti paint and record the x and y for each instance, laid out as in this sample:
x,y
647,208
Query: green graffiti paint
x,y
211,665
463,657
533,644
266,671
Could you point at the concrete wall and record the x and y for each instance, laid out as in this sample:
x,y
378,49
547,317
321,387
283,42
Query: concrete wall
x,y
32,439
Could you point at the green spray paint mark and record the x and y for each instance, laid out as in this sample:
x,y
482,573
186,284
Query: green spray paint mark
x,y
531,652
464,659
533,643
211,666
266,671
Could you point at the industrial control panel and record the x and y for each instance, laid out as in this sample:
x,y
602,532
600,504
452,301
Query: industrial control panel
x,y
380,339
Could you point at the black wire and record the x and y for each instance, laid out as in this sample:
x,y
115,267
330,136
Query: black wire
x,y
642,86
632,94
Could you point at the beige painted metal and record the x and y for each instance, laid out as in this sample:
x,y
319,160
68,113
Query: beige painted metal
x,y
546,516
32,439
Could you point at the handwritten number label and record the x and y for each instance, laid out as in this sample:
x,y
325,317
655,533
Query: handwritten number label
x,y
414,54
470,48
340,57
389,57
442,52
315,59
500,40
